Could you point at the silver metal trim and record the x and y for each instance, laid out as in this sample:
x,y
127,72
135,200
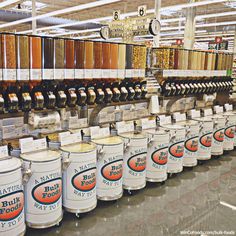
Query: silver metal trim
x,y
43,226
156,180
75,211
175,171
134,188
109,198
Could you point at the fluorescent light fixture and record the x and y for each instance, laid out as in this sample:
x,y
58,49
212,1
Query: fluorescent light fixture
x,y
59,12
216,24
26,6
7,3
88,36
77,32
150,11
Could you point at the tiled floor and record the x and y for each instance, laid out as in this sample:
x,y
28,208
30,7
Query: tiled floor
x,y
198,199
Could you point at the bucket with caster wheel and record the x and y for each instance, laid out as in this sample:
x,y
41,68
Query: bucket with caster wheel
x,y
205,138
176,148
79,177
43,185
157,155
12,219
230,124
218,135
135,153
191,142
109,168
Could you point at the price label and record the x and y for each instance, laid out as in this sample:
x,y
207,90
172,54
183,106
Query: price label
x,y
3,151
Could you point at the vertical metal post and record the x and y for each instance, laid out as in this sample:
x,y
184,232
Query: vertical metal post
x,y
34,23
189,33
156,39
234,49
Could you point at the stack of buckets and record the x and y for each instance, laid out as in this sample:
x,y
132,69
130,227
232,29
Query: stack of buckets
x,y
35,187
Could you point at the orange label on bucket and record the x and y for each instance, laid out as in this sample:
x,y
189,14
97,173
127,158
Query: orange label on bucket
x,y
206,140
191,144
229,132
177,149
137,162
219,135
48,192
160,156
112,171
85,181
11,205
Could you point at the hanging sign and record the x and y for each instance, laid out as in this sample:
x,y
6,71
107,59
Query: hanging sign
x,y
154,27
116,15
142,10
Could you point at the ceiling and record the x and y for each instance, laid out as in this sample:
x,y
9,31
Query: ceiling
x,y
214,25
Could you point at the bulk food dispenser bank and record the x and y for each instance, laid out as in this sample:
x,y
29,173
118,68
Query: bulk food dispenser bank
x,y
83,121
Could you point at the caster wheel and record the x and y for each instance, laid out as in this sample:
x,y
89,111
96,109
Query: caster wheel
x,y
59,224
129,192
163,182
170,175
77,215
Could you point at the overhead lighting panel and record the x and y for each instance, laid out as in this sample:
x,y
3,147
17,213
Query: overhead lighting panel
x,y
59,12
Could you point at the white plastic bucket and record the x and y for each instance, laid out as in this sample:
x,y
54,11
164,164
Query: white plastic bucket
x,y
43,189
191,142
12,219
218,135
79,177
230,124
134,167
176,148
205,138
157,155
110,153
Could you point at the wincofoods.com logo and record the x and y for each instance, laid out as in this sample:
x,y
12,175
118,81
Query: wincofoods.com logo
x,y
85,181
112,171
11,205
160,156
48,192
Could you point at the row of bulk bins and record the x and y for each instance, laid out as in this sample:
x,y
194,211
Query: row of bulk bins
x,y
167,58
75,173
37,58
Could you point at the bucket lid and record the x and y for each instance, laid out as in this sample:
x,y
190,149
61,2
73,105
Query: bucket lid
x,y
41,156
113,140
132,135
79,147
174,126
188,122
156,132
205,119
9,164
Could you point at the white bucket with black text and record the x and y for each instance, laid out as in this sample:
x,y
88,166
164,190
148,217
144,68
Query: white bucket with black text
x,y
12,219
191,142
79,177
134,167
43,188
218,135
230,124
157,155
110,153
176,148
205,138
